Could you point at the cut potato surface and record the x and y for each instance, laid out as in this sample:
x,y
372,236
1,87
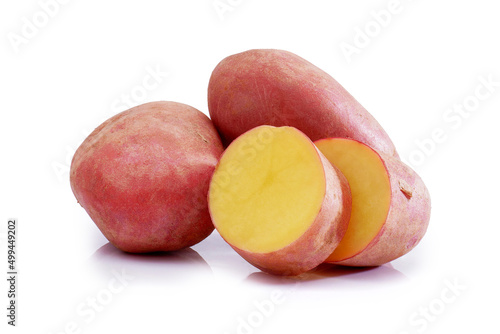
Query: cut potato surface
x,y
390,204
276,195
370,189
273,191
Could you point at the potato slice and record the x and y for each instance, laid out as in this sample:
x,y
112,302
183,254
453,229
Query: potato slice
x,y
390,204
277,200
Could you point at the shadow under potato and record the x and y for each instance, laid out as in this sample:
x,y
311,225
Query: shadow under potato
x,y
158,266
185,264
333,275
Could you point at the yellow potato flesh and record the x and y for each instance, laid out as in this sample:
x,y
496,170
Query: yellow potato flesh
x,y
370,189
267,189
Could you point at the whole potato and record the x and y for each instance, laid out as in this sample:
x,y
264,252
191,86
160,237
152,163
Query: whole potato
x,y
143,176
279,88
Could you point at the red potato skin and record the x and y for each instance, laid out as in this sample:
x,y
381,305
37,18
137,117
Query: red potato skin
x,y
143,177
322,237
276,87
406,221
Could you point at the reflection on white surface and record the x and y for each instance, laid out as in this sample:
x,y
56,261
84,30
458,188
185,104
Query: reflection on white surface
x,y
153,267
332,275
226,263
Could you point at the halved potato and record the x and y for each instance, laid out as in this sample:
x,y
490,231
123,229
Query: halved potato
x,y
277,200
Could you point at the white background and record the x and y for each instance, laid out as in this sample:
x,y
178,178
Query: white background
x,y
72,72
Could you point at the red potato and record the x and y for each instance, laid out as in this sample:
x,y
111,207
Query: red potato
x,y
390,204
143,176
279,88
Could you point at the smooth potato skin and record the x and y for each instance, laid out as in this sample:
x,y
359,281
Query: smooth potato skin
x,y
276,87
406,222
322,237
143,176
